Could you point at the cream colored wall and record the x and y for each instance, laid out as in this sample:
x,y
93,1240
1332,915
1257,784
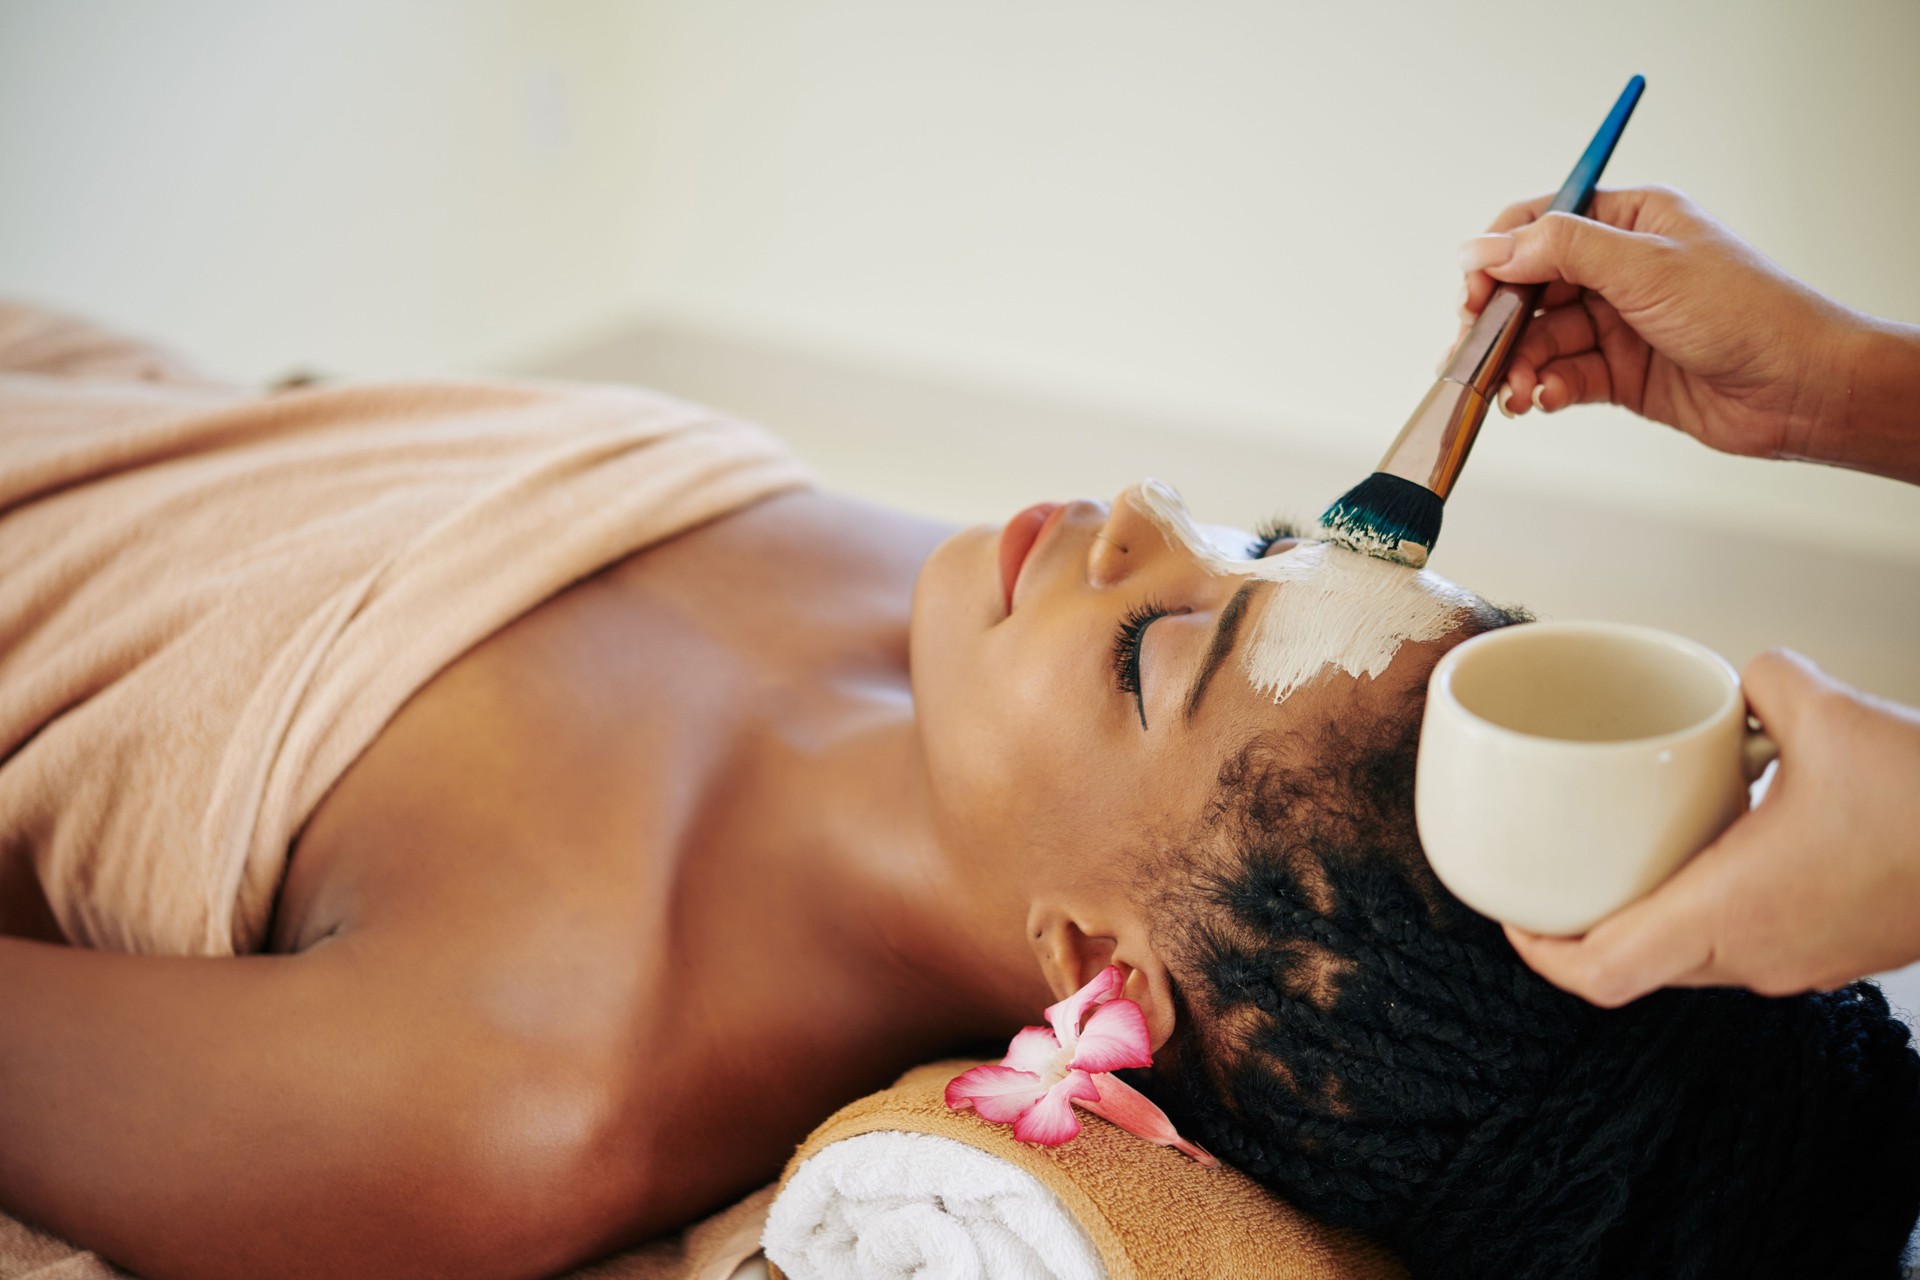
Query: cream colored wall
x,y
1236,217
365,186
1242,216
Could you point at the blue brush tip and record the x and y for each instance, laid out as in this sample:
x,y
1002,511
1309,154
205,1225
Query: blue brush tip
x,y
1387,517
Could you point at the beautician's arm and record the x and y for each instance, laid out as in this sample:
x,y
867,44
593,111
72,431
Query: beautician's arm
x,y
1654,305
1817,886
314,1115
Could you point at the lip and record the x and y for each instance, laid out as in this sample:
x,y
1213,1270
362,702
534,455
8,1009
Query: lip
x,y
1019,538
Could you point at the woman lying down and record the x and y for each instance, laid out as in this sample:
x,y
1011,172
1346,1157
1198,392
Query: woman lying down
x,y
465,828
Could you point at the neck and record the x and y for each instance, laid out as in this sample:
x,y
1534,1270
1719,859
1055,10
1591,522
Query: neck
x,y
913,943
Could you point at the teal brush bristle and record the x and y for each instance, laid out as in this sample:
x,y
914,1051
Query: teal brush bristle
x,y
1388,517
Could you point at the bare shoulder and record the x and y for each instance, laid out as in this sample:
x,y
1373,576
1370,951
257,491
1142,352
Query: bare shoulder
x,y
598,722
517,837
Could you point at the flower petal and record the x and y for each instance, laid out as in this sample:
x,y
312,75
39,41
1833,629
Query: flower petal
x,y
1051,1121
1064,1016
1114,1037
1001,1094
1035,1050
1122,1104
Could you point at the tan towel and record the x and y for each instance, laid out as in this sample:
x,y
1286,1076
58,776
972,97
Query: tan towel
x,y
27,1254
212,600
1151,1213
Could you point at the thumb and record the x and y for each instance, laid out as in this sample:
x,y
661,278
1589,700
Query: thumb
x,y
1662,938
1563,246
1779,685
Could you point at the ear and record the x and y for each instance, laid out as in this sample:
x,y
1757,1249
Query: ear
x,y
1073,947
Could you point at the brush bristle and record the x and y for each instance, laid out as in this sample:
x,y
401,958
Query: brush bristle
x,y
1388,517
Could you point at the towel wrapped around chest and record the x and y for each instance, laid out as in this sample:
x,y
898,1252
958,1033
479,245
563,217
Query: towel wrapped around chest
x,y
212,599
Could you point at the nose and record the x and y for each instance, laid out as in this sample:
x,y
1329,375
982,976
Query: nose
x,y
1128,542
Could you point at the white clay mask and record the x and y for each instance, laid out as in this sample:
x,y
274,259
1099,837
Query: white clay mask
x,y
1332,607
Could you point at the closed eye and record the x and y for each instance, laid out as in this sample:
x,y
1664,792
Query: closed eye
x,y
1270,532
1126,651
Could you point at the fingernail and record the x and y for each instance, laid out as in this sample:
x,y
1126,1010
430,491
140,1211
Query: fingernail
x,y
1505,401
1539,389
1485,251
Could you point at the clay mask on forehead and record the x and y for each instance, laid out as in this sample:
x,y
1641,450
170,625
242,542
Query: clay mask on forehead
x,y
1333,607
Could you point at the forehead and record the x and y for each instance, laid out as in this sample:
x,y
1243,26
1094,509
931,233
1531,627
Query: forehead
x,y
1326,607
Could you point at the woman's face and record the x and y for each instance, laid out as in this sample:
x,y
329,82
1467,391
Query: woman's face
x,y
1081,674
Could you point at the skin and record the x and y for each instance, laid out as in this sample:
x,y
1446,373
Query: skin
x,y
1653,305
630,897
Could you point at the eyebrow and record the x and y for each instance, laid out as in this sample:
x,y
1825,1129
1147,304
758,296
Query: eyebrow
x,y
1225,633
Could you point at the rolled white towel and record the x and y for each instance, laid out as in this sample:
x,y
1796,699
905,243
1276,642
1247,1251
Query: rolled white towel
x,y
911,1206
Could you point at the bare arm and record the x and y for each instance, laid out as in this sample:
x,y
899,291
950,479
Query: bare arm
x,y
310,1115
1879,422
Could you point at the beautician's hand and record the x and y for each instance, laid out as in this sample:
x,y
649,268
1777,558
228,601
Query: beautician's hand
x,y
1818,885
1653,305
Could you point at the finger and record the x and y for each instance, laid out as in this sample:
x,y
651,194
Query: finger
x,y
1580,379
1577,250
1555,339
1612,333
1557,332
1673,936
1627,208
1581,345
1658,940
1779,684
1627,354
1652,209
1648,208
1516,394
1577,967
1520,214
1480,287
1558,294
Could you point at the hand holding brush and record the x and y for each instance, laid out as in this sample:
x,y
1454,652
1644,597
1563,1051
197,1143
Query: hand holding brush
x,y
1395,513
1652,304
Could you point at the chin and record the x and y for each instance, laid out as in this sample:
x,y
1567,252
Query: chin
x,y
959,585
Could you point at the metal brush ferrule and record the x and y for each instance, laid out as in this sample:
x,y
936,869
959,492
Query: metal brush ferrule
x,y
1433,446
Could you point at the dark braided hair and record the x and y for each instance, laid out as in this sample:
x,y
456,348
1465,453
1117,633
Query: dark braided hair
x,y
1377,1054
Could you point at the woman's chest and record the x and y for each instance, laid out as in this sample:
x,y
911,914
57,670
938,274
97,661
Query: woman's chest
x,y
530,823
562,766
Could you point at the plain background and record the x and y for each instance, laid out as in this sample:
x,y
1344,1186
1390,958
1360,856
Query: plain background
x,y
969,256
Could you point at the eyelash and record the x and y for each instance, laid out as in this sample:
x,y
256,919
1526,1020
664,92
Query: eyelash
x,y
1133,627
1126,645
1267,534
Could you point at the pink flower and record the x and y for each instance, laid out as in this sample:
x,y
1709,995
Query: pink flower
x,y
1048,1069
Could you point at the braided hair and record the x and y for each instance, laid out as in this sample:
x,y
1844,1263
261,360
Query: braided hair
x,y
1376,1053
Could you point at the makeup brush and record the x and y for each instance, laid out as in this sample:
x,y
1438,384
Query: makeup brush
x,y
1395,512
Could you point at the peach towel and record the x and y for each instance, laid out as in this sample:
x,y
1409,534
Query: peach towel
x,y
212,599
1151,1213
